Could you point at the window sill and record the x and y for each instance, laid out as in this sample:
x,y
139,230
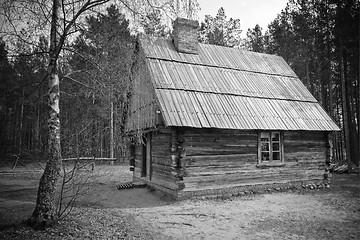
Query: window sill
x,y
270,165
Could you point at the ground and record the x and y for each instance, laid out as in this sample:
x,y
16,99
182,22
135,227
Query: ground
x,y
104,212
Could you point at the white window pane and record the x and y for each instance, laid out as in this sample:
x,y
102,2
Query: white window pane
x,y
265,137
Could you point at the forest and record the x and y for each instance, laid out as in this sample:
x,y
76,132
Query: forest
x,y
319,39
75,57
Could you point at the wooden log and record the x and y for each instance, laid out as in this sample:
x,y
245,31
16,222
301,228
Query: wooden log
x,y
161,169
267,183
250,180
221,160
159,180
304,135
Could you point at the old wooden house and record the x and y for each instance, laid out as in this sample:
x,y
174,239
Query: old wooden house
x,y
212,120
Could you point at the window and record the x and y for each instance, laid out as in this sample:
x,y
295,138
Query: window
x,y
270,147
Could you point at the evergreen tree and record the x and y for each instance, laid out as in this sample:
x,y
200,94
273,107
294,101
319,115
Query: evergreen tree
x,y
152,24
320,40
101,76
7,78
220,31
255,39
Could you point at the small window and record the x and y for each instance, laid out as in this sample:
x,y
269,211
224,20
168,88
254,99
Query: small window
x,y
270,146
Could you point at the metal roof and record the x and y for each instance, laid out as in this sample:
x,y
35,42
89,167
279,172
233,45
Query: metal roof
x,y
230,88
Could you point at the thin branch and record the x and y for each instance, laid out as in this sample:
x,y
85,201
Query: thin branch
x,y
72,79
28,54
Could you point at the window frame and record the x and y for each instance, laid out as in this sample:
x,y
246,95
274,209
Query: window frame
x,y
271,150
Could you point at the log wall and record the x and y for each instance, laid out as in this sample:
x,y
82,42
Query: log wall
x,y
191,162
161,171
226,159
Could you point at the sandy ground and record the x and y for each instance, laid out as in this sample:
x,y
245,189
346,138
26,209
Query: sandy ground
x,y
105,212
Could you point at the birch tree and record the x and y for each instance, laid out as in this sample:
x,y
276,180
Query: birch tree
x,y
60,18
26,20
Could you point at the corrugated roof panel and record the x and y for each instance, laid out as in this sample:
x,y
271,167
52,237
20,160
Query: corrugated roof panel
x,y
315,114
214,115
244,118
280,125
157,73
236,123
263,84
271,88
267,115
199,110
190,110
194,76
294,115
227,106
177,121
200,78
255,109
219,80
182,77
285,115
222,57
213,104
206,110
232,82
185,118
286,68
235,58
239,107
195,109
227,115
266,62
203,57
166,107
304,91
330,121
173,54
277,87
205,78
248,84
217,56
167,77
270,115
284,89
208,56
191,77
229,88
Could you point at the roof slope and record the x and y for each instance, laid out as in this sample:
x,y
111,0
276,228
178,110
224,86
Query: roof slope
x,y
230,88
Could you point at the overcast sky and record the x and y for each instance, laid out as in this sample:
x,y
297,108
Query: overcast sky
x,y
250,12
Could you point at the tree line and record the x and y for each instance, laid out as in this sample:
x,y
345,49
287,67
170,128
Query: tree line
x,y
320,41
90,54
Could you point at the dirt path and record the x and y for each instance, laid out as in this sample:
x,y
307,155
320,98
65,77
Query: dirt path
x,y
107,213
275,216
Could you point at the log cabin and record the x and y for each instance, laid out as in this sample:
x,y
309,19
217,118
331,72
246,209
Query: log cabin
x,y
213,120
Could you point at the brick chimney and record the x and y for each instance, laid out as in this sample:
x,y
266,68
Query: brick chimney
x,y
186,35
